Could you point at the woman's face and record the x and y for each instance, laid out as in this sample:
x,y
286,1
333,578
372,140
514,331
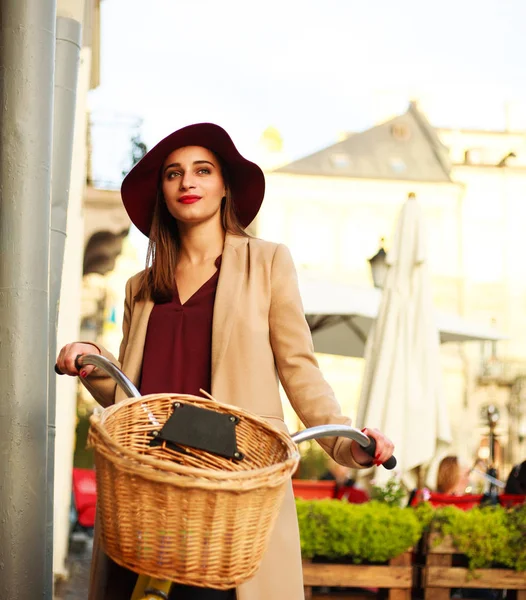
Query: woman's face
x,y
192,185
463,481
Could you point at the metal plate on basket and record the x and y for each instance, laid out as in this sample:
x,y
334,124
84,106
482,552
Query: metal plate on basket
x,y
202,429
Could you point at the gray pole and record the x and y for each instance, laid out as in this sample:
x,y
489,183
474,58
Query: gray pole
x,y
66,74
27,34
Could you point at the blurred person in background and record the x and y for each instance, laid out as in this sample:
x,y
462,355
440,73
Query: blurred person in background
x,y
452,477
345,488
338,473
516,483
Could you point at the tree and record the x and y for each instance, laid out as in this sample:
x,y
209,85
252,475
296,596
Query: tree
x,y
138,150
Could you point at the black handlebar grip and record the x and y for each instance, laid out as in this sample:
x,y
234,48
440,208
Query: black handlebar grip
x,y
389,464
78,365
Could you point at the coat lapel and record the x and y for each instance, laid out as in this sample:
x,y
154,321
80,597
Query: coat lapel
x,y
228,292
132,361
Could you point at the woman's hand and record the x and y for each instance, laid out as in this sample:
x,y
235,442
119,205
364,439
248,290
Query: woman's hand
x,y
384,449
68,354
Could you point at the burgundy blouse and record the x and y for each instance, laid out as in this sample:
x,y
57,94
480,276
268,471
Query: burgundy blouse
x,y
178,348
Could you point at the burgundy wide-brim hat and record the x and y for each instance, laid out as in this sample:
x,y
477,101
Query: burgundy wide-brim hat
x,y
246,180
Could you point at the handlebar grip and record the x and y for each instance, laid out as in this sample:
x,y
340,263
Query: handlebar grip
x,y
389,464
78,365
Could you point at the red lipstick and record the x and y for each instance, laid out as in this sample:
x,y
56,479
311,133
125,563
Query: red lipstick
x,y
189,199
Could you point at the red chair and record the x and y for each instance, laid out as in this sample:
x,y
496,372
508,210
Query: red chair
x,y
436,500
464,502
313,490
510,500
316,490
84,497
351,494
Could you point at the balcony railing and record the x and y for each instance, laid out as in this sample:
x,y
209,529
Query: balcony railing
x,y
114,146
501,371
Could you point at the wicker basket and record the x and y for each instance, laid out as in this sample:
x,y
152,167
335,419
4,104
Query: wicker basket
x,y
200,520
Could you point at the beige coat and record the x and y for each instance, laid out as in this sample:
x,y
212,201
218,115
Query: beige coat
x,y
259,333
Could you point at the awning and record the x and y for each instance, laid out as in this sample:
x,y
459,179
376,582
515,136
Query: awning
x,y
340,317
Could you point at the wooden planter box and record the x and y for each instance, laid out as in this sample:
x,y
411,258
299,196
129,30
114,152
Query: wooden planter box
x,y
440,576
397,576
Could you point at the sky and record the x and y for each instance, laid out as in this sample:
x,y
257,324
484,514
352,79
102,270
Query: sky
x,y
311,69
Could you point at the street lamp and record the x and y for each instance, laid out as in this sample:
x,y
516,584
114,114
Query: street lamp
x,y
378,264
491,413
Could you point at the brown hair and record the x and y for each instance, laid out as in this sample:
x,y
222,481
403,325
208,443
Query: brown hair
x,y
157,281
448,475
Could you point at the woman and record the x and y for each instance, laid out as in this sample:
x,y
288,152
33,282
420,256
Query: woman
x,y
452,478
516,482
220,311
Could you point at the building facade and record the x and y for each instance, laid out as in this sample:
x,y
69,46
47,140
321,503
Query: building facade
x,y
332,209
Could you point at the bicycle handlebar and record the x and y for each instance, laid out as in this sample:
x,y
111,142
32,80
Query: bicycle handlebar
x,y
96,360
312,433
321,431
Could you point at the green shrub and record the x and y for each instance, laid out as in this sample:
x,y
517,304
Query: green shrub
x,y
376,532
488,536
425,513
393,492
370,532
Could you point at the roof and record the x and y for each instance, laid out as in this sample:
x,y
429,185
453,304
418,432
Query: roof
x,y
404,148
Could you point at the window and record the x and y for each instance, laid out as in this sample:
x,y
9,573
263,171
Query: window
x,y
484,252
341,160
474,156
312,241
397,165
401,132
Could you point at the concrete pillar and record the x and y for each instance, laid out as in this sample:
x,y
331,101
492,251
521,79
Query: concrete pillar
x,y
69,316
27,33
68,40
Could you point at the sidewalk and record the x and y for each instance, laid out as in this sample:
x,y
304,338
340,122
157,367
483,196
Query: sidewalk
x,y
78,563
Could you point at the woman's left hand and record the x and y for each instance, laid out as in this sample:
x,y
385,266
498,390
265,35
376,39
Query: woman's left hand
x,y
384,449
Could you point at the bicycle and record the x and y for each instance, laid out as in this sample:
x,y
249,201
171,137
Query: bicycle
x,y
207,417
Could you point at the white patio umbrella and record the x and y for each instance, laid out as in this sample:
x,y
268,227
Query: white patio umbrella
x,y
402,391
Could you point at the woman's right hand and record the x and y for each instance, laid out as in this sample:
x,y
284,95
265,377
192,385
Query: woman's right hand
x,y
68,354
